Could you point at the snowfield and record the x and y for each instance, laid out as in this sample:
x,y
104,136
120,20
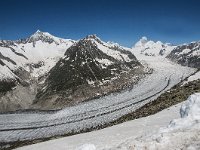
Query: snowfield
x,y
29,126
141,134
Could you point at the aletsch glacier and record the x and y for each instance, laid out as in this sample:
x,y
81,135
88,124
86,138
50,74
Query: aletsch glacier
x,y
28,126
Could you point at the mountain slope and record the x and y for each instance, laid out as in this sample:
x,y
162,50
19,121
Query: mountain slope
x,y
187,55
35,55
40,48
151,48
90,68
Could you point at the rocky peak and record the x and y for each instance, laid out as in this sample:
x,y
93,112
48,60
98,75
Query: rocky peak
x,y
42,36
93,36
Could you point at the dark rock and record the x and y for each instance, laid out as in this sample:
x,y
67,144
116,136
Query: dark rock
x,y
188,58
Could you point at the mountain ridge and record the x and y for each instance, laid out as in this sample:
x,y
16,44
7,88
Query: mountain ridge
x,y
31,63
90,68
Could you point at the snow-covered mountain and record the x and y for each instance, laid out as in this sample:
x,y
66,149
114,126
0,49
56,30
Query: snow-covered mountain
x,y
151,48
36,54
90,68
187,54
22,62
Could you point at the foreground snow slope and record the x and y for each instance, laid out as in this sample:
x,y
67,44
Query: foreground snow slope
x,y
144,133
182,133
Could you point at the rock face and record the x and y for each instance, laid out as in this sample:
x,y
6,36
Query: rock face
x,y
89,69
187,55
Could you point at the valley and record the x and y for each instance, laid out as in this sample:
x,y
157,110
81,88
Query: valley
x,y
83,86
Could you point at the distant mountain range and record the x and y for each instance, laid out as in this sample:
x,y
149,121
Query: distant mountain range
x,y
151,48
185,54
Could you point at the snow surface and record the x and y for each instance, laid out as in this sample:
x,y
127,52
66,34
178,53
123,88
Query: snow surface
x,y
182,133
141,134
86,147
185,51
6,73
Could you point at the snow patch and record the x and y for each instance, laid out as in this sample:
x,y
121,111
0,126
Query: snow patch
x,y
87,147
104,61
185,51
6,73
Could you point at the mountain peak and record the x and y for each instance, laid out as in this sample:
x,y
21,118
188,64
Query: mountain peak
x,y
141,42
144,38
92,37
39,33
152,48
43,36
145,42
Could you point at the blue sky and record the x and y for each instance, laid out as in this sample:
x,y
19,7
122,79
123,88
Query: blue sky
x,y
122,21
